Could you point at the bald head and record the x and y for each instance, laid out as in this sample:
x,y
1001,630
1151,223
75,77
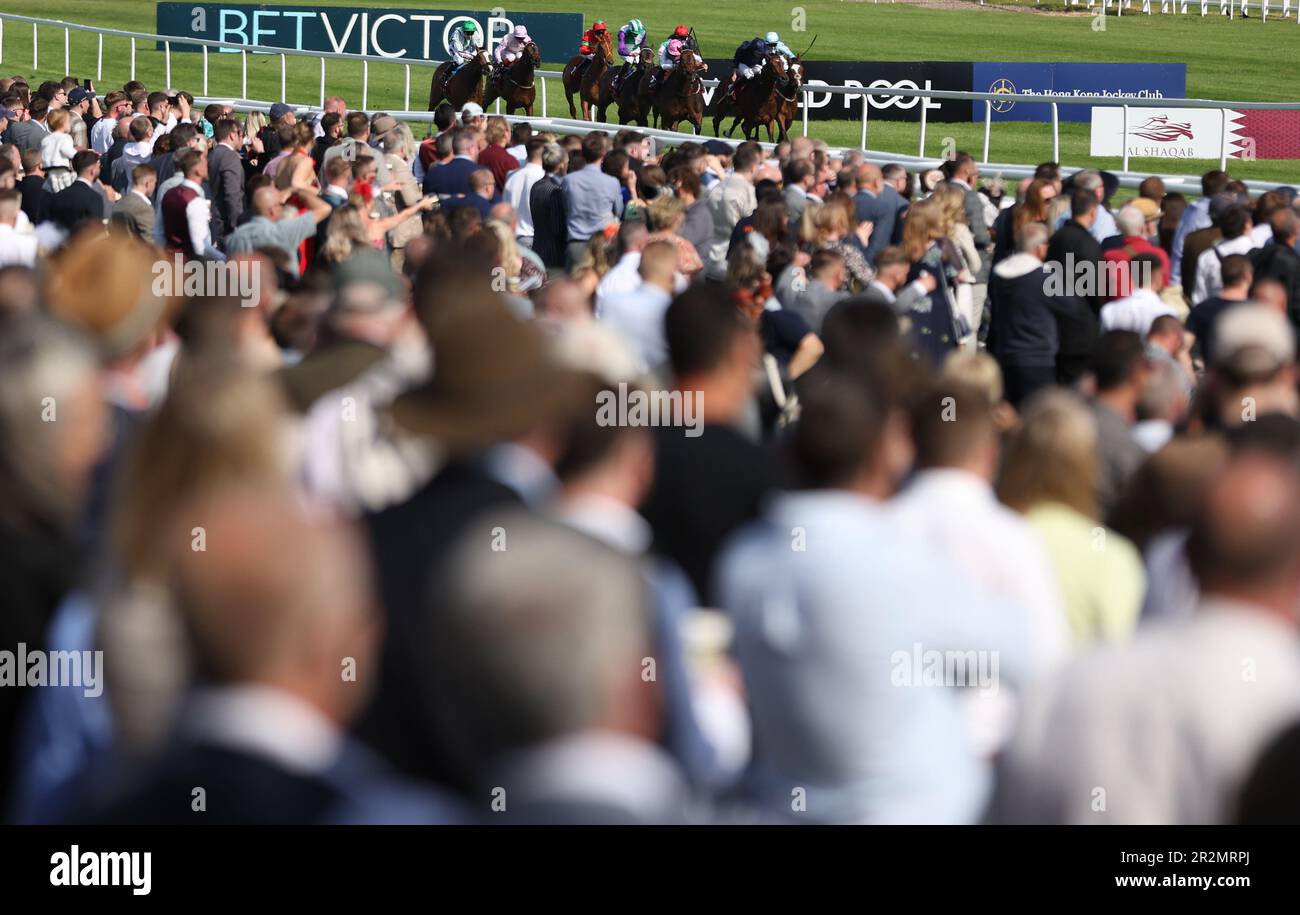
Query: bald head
x,y
870,176
563,301
275,598
659,264
266,202
1246,542
1270,293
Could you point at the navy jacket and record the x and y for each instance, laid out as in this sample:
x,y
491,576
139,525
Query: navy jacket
x,y
451,178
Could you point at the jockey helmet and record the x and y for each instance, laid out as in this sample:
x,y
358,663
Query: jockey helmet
x,y
599,26
681,32
772,38
521,31
469,25
636,26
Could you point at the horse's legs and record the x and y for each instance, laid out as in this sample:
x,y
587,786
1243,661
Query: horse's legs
x,y
769,132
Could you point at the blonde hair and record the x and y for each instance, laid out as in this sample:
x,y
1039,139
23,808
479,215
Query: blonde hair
x,y
511,260
497,129
822,220
952,206
1052,457
400,141
346,234
57,121
977,371
923,225
665,212
254,123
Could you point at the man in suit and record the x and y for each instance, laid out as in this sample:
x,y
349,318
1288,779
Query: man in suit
x,y
875,206
226,177
36,199
1278,259
1078,254
546,205
890,286
823,287
453,178
82,201
502,444
965,175
482,187
264,734
507,631
800,175
134,211
28,134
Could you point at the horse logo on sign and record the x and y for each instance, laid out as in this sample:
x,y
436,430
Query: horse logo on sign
x,y
1162,130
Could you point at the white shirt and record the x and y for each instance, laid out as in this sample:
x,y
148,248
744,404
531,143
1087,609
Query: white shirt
x,y
267,723
519,185
622,278
101,135
638,316
198,218
1209,266
17,248
57,150
955,514
1134,312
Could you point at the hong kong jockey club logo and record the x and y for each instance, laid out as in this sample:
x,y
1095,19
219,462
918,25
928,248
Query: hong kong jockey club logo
x,y
1003,87
1163,130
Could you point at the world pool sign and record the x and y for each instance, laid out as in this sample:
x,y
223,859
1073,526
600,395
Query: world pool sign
x,y
402,34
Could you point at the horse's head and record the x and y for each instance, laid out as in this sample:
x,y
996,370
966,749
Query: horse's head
x,y
481,58
606,47
533,53
777,63
795,71
646,57
690,62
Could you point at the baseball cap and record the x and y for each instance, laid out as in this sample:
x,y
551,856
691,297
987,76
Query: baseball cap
x,y
1252,340
382,124
279,110
471,110
79,95
1148,207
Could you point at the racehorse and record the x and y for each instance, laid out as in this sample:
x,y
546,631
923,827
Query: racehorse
x,y
680,97
465,86
789,92
627,93
756,103
514,84
585,81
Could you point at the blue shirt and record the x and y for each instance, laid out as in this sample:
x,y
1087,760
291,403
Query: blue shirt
x,y
592,200
1195,218
835,609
